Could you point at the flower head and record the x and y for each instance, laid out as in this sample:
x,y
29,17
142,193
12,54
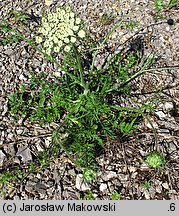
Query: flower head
x,y
60,29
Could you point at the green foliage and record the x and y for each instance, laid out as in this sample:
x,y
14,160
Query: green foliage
x,y
173,3
89,174
155,160
130,24
147,184
8,176
43,159
17,16
88,117
7,37
162,7
159,4
9,40
115,195
88,196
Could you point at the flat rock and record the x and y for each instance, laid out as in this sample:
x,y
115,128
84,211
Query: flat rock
x,y
160,114
167,106
108,175
81,183
25,153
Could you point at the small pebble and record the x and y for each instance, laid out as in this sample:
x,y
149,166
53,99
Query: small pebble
x,y
167,106
165,185
103,187
160,114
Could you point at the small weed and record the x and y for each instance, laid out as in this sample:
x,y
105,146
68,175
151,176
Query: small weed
x,y
106,18
115,195
131,24
17,17
43,159
88,196
161,8
155,160
7,177
173,3
89,174
147,184
9,40
159,5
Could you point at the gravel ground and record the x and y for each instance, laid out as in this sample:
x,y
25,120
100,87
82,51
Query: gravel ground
x,y
121,167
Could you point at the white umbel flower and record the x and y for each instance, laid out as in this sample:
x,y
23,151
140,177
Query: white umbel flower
x,y
66,40
67,48
78,20
81,33
38,39
68,9
73,39
75,28
57,49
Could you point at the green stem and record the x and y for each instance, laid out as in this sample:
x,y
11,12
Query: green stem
x,y
140,72
83,84
102,43
129,108
146,70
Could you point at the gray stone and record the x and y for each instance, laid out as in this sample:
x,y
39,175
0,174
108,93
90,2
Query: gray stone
x,y
48,141
160,114
25,153
147,194
152,192
117,183
41,188
163,130
103,187
108,175
110,186
158,188
165,185
81,183
22,77
155,125
19,131
2,156
167,106
10,136
132,169
71,172
123,178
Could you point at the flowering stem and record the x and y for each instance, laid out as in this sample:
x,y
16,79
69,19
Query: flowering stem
x,y
103,42
83,84
140,72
